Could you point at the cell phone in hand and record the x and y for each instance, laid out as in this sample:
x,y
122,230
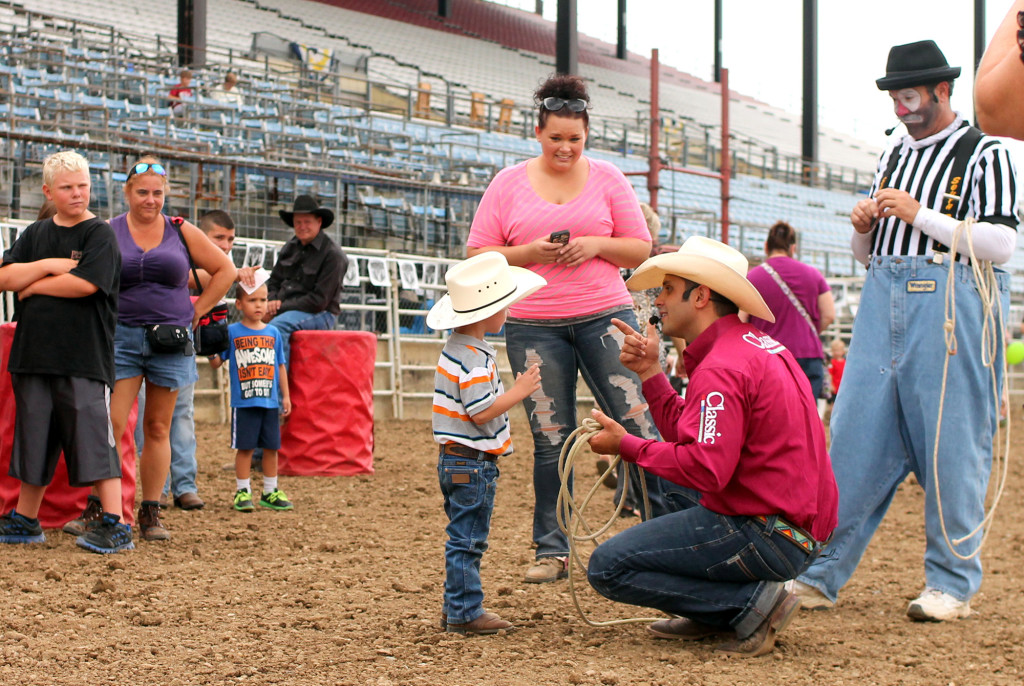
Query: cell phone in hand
x,y
559,237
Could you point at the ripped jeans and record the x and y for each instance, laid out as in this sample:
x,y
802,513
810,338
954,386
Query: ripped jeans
x,y
590,348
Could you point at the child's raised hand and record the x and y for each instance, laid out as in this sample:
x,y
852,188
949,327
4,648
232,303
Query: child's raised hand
x,y
529,381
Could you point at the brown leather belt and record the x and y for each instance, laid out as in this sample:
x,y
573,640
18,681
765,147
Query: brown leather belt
x,y
460,450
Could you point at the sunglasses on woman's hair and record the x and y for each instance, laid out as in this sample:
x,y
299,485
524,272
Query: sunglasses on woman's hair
x,y
143,167
555,104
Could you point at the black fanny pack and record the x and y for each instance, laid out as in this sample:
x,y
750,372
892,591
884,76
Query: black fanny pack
x,y
169,339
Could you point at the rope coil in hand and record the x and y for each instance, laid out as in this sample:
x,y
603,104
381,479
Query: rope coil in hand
x,y
993,335
572,518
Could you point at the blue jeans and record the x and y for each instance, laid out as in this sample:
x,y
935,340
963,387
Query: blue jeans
x,y
296,320
590,348
724,571
133,357
182,477
883,425
468,487
814,370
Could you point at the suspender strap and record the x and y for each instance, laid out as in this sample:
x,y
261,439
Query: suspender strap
x,y
952,199
894,159
890,169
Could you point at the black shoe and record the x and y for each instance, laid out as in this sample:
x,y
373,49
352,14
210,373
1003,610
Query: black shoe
x,y
109,536
90,515
16,528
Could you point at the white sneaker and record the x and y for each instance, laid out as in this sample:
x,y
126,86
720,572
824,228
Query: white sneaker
x,y
935,606
810,597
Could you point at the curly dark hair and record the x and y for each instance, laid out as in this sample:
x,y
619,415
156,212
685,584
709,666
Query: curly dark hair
x,y
780,237
566,86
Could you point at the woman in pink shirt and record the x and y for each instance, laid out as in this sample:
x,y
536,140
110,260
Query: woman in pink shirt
x,y
566,326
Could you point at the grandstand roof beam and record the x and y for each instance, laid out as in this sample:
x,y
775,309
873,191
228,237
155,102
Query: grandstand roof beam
x,y
718,41
620,45
809,134
566,44
191,33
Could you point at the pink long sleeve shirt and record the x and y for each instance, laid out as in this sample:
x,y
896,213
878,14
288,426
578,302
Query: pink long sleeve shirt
x,y
511,213
748,437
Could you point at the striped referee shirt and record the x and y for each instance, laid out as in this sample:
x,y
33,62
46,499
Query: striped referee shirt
x,y
466,382
923,170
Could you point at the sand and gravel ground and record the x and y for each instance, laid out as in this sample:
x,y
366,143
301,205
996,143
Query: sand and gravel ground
x,y
347,590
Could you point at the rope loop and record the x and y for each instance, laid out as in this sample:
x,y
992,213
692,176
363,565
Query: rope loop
x,y
572,517
993,339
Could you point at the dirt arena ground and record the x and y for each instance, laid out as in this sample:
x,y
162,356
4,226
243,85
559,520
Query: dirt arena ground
x,y
347,590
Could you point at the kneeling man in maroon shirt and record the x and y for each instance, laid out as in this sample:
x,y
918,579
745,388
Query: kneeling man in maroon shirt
x,y
754,497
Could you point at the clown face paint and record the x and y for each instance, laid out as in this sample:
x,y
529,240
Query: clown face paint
x,y
906,103
920,110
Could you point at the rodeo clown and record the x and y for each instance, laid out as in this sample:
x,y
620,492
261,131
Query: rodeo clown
x,y
941,181
754,494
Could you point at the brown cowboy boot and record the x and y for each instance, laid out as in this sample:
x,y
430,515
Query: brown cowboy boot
x,y
150,526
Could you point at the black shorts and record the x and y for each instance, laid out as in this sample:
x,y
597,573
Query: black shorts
x,y
255,427
66,413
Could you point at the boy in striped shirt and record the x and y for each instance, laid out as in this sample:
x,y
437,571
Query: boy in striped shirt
x,y
470,422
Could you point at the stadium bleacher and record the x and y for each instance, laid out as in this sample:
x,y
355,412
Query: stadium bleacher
x,y
400,176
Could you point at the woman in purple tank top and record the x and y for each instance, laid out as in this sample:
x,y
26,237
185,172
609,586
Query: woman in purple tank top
x,y
154,290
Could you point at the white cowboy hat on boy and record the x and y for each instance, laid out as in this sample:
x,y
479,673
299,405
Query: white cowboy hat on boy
x,y
708,262
479,287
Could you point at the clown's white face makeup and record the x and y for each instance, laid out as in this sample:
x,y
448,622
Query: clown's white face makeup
x,y
923,109
906,103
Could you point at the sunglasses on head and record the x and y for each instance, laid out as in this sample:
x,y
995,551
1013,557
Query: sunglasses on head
x,y
143,167
555,104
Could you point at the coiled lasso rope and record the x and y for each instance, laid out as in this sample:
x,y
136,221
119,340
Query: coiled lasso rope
x,y
571,516
993,335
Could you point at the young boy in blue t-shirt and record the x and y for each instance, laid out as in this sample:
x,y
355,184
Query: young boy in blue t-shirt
x,y
259,394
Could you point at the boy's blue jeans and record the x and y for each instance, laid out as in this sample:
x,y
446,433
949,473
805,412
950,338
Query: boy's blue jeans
x,y
884,420
468,487
590,348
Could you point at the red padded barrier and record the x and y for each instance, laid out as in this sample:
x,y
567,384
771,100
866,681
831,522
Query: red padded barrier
x,y
62,503
330,430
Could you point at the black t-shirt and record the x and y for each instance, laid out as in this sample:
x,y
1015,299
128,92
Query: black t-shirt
x,y
69,336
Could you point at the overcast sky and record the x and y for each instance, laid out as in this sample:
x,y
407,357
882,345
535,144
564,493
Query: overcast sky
x,y
762,47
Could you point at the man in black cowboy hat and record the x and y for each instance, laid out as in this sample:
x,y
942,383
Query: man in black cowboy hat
x,y
936,186
304,286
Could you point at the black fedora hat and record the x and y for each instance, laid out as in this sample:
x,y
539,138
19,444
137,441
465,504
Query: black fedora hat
x,y
916,64
305,204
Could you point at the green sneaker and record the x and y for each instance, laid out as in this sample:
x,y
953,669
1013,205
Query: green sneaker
x,y
275,500
243,500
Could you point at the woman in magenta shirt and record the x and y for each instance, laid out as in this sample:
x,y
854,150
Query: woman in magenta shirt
x,y
566,326
810,289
